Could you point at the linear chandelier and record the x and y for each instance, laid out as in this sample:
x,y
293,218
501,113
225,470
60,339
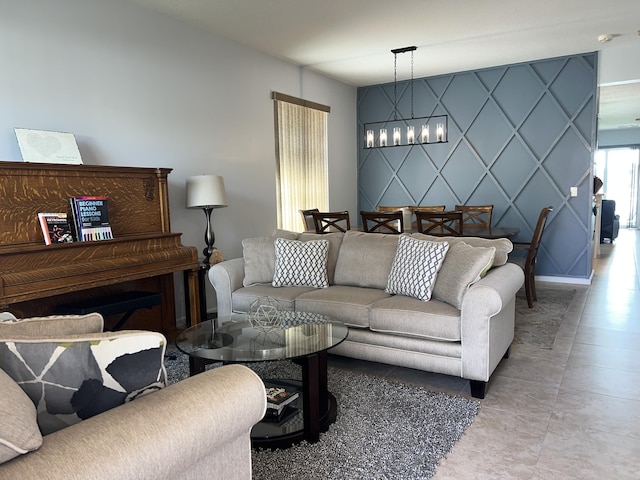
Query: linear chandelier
x,y
418,130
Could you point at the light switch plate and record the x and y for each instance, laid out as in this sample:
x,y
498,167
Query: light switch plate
x,y
574,191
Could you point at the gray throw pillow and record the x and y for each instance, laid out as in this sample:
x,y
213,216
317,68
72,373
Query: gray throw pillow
x,y
260,258
52,325
463,266
19,433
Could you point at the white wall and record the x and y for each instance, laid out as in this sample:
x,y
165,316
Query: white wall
x,y
140,89
619,63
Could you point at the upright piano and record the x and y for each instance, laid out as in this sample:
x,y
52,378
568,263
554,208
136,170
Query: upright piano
x,y
143,255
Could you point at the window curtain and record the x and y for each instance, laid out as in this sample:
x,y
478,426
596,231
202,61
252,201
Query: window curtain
x,y
301,161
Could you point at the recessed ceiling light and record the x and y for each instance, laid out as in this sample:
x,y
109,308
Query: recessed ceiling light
x,y
605,38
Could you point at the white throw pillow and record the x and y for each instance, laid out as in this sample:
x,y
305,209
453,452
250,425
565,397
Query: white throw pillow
x,y
415,267
301,264
463,266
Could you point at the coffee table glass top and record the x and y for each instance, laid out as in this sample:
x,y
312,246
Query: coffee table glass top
x,y
234,339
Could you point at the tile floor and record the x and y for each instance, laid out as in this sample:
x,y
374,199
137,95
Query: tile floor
x,y
572,412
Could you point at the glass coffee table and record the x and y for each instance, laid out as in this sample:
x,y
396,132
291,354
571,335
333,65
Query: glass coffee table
x,y
302,337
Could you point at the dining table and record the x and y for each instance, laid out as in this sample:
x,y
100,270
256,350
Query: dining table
x,y
491,233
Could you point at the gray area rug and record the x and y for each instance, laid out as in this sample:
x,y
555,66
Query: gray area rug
x,y
538,326
384,430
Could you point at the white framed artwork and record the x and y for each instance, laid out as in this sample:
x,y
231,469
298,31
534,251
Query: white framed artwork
x,y
48,147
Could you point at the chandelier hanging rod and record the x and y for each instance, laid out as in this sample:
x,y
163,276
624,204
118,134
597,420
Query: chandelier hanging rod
x,y
395,51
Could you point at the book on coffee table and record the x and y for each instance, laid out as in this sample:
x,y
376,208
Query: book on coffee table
x,y
285,415
278,398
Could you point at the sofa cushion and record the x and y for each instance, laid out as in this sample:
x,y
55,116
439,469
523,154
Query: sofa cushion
x,y
19,433
335,241
286,296
416,267
365,259
347,304
463,266
74,377
260,258
503,246
401,315
301,264
52,325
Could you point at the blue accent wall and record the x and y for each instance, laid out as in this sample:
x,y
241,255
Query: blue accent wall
x,y
519,137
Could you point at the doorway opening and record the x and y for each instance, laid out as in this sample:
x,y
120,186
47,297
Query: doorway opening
x,y
618,170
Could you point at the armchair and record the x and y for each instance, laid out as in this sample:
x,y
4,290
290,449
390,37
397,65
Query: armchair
x,y
187,430
609,221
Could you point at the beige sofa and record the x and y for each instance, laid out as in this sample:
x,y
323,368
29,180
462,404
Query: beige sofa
x,y
465,329
194,429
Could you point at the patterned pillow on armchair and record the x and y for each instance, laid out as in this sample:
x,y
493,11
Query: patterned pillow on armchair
x,y
73,377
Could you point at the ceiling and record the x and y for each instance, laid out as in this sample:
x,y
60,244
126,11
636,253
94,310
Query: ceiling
x,y
350,40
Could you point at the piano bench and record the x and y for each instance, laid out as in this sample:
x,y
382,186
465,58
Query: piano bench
x,y
126,303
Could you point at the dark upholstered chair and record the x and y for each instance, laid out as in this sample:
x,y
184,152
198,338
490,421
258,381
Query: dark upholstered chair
x,y
609,221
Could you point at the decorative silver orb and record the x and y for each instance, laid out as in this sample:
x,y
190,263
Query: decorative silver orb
x,y
265,314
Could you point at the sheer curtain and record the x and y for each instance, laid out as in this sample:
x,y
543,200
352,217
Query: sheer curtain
x,y
301,159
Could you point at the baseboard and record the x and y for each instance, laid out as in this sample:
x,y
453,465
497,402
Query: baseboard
x,y
572,280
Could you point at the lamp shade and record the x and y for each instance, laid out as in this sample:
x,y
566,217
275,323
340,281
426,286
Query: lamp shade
x,y
206,191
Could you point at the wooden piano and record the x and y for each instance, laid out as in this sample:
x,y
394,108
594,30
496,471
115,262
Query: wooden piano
x,y
36,278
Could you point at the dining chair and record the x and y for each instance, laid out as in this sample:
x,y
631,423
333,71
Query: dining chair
x,y
326,222
476,216
307,219
383,222
386,208
428,208
528,263
440,223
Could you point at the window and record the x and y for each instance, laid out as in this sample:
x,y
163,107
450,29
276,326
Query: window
x,y
301,159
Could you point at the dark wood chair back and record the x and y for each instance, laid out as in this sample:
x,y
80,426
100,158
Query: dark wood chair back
x,y
440,223
326,222
307,218
382,222
476,216
531,248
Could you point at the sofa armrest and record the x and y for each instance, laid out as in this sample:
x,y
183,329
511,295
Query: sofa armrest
x,y
187,430
488,320
226,277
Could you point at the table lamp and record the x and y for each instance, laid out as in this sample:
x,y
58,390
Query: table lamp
x,y
206,192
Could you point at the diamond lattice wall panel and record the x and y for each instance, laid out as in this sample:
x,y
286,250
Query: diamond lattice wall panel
x,y
520,136
417,174
517,93
488,143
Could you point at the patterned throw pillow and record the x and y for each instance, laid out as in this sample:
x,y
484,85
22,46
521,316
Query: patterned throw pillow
x,y
74,377
301,264
415,267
